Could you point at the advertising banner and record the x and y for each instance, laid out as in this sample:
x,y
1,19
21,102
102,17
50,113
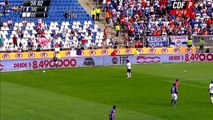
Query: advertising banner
x,y
99,52
34,64
19,65
178,41
157,41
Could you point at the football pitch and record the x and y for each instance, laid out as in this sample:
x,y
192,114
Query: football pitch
x,y
90,93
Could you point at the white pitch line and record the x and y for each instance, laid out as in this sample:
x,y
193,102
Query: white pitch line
x,y
196,79
191,85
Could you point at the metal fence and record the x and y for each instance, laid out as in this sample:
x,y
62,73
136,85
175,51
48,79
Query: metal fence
x,y
208,40
173,41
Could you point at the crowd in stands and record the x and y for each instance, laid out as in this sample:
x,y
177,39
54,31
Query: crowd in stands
x,y
70,14
152,18
30,36
8,8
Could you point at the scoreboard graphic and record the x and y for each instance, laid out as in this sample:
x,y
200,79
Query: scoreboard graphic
x,y
35,8
181,7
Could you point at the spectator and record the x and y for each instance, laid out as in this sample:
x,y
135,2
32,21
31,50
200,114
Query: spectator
x,y
93,12
10,47
20,8
89,31
1,14
20,47
1,23
113,53
24,22
78,52
38,47
1,41
117,28
52,44
116,44
107,17
58,55
10,23
189,43
15,44
15,8
29,44
61,45
6,6
111,42
207,50
42,33
57,48
104,44
66,14
2,4
98,11
83,41
20,33
202,42
105,32
73,15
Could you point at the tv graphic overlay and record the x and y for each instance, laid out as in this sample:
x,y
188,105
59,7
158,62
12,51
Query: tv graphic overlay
x,y
35,8
183,7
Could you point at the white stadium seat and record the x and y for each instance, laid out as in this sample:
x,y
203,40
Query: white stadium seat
x,y
29,32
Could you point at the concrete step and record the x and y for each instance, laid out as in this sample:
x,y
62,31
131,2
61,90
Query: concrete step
x,y
88,5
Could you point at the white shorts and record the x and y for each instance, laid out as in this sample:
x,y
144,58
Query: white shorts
x,y
174,96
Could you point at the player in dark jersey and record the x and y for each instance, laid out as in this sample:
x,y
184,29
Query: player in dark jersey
x,y
177,83
174,96
112,113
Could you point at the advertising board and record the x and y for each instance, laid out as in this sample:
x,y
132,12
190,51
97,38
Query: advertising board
x,y
99,52
45,63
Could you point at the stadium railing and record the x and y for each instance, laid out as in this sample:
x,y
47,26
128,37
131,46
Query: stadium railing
x,y
208,40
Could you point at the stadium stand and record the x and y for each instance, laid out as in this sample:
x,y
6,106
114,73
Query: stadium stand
x,y
69,26
77,30
152,18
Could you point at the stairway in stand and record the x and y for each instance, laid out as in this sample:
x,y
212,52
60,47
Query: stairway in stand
x,y
88,5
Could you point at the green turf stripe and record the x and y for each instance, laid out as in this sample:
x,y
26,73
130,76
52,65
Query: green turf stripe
x,y
26,103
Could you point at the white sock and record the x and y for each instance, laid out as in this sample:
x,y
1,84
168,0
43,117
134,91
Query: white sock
x,y
212,99
130,74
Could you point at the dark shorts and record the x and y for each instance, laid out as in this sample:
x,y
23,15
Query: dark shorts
x,y
189,46
129,70
211,94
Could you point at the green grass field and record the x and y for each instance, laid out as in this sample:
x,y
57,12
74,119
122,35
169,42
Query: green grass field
x,y
89,93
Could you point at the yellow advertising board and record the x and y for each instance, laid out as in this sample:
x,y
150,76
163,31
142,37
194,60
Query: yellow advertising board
x,y
99,52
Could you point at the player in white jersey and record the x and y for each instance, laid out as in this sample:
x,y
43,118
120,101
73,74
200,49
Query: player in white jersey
x,y
211,91
129,67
